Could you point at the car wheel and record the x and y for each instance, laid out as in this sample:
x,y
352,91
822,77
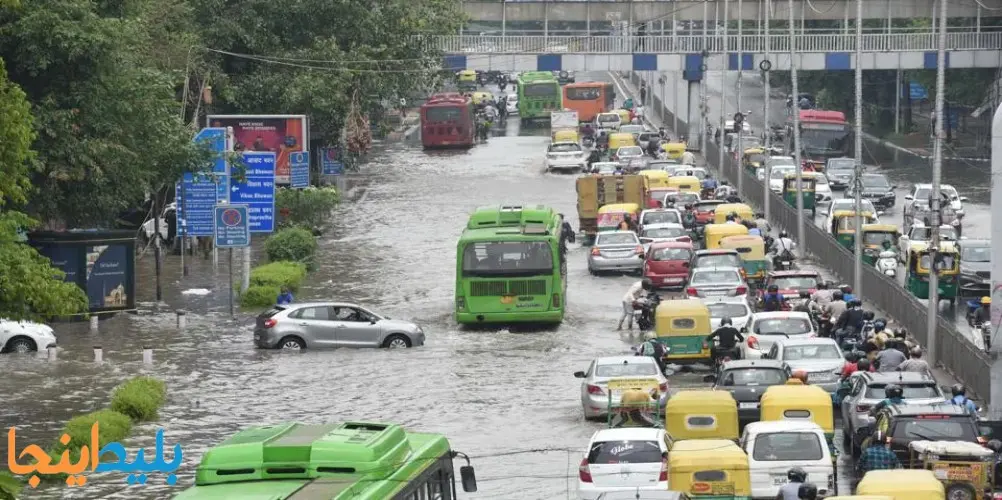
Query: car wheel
x,y
292,344
21,345
397,341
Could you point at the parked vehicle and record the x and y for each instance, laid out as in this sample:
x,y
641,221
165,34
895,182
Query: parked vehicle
x,y
25,336
332,324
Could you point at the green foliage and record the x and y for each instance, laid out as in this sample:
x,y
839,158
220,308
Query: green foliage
x,y
139,398
310,207
10,486
259,296
113,427
293,244
278,274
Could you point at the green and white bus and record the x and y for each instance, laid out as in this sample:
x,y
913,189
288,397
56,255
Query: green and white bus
x,y
356,460
538,94
510,268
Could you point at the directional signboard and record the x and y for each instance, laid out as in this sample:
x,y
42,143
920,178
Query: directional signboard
x,y
299,168
330,162
257,191
216,139
196,196
232,226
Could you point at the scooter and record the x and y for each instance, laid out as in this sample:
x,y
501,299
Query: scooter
x,y
643,311
972,307
986,334
887,263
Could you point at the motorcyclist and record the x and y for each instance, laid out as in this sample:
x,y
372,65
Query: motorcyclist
x,y
877,455
762,223
837,306
960,398
733,198
864,365
850,321
866,329
807,491
822,296
635,292
689,216
796,477
708,184
782,248
805,302
984,313
731,218
594,156
773,300
662,133
847,292
851,365
727,338
587,130
892,396
687,158
602,142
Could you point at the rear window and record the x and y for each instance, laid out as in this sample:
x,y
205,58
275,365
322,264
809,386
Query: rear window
x,y
662,254
616,239
664,232
608,118
796,282
719,260
876,391
727,310
624,452
780,326
564,147
715,277
753,376
626,370
812,351
787,446
271,312
630,151
442,114
936,429
667,217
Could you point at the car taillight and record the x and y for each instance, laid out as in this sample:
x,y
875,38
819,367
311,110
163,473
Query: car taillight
x,y
862,408
584,473
663,387
742,290
664,472
753,342
594,389
640,249
691,291
556,300
684,239
268,323
595,251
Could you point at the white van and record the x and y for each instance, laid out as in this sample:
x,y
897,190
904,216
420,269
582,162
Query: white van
x,y
774,448
608,121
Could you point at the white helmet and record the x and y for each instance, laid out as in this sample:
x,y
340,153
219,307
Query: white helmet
x,y
649,336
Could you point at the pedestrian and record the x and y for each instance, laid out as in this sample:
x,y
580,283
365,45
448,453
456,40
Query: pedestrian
x,y
284,297
643,93
635,292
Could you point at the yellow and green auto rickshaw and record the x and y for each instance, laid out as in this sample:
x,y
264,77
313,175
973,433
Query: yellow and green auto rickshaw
x,y
740,209
683,326
466,80
808,184
919,264
701,414
709,469
673,150
874,237
685,183
751,249
482,97
713,233
754,158
902,484
843,225
624,116
656,179
609,216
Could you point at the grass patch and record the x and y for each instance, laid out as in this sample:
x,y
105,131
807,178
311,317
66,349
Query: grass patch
x,y
278,274
295,244
139,398
113,426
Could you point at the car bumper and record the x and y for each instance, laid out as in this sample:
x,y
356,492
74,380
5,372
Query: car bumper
x,y
473,318
838,184
417,339
595,406
882,202
265,339
829,387
598,263
822,197
974,286
587,491
667,280
566,166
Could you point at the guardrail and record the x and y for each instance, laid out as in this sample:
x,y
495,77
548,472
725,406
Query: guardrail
x,y
957,354
602,29
902,42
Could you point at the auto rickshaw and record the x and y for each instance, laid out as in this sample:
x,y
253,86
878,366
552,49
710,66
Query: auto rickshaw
x,y
741,209
609,216
673,150
638,404
701,415
713,233
655,178
844,225
683,325
621,140
902,484
625,117
466,80
753,258
808,185
753,159
800,402
482,97
860,497
709,469
919,264
874,236
685,183
565,136
967,470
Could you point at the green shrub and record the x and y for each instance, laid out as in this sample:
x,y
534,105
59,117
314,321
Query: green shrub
x,y
114,427
278,274
294,244
139,398
10,486
259,296
310,207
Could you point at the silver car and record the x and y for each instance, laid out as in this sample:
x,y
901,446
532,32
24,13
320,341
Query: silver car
x,y
332,324
604,167
564,157
664,232
821,358
716,282
616,251
626,154
867,389
735,308
594,384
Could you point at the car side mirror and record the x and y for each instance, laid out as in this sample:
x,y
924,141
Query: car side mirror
x,y
744,329
909,197
963,198
710,379
372,321
894,186
469,478
579,374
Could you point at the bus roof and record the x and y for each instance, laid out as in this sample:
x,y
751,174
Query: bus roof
x,y
817,115
511,216
589,85
536,76
446,98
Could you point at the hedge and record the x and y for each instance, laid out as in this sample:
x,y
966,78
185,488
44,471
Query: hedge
x,y
310,207
259,296
267,281
294,244
139,398
10,486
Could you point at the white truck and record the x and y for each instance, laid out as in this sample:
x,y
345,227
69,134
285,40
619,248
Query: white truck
x,y
561,121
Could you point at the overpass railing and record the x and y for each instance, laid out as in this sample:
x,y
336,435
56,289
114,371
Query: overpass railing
x,y
956,352
901,42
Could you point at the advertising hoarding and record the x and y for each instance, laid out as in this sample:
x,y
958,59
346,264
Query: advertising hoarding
x,y
279,134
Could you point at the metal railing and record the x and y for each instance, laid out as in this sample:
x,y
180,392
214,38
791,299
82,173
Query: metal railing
x,y
893,42
604,28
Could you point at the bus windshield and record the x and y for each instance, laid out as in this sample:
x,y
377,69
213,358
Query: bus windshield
x,y
583,93
541,90
507,258
443,114
824,138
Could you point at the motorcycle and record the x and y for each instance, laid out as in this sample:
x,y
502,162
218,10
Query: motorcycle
x,y
783,262
887,263
643,311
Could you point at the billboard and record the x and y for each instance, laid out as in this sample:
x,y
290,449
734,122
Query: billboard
x,y
101,263
280,134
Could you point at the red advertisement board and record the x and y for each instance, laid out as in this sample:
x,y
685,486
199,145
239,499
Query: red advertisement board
x,y
281,134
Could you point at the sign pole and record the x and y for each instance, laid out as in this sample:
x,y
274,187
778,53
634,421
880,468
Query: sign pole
x,y
231,229
184,227
245,278
231,281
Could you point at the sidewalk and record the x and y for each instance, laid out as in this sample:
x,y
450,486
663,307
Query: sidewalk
x,y
942,376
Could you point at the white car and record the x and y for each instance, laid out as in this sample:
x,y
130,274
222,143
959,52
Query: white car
x,y
511,105
595,397
776,176
666,231
605,167
921,192
765,328
629,459
775,447
735,308
627,154
920,233
822,189
660,216
565,156
608,121
25,336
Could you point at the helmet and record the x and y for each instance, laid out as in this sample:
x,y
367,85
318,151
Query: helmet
x,y
796,475
647,283
730,217
650,335
801,375
995,445
916,352
986,300
773,288
845,288
893,391
958,390
856,303
723,183
804,294
868,315
823,285
837,295
851,356
807,491
784,234
863,365
725,321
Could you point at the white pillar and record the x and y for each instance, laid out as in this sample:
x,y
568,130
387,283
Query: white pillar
x,y
995,398
98,354
147,355
53,353
94,323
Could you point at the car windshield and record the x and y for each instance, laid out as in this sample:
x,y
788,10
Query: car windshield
x,y
685,198
631,129
625,452
630,151
646,136
608,118
718,260
875,238
875,181
727,310
664,232
781,326
795,282
780,173
787,446
663,254
815,351
850,204
626,370
976,254
507,258
753,376
565,147
616,239
847,164
715,278
927,391
936,429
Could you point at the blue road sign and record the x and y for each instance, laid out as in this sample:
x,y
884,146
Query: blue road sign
x,y
299,169
232,226
917,92
222,189
216,138
257,191
330,162
196,196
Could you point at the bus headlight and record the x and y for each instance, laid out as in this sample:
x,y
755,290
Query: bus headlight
x,y
460,303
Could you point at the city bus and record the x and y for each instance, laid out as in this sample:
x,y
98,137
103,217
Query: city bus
x,y
589,99
823,135
447,121
538,94
510,267
356,460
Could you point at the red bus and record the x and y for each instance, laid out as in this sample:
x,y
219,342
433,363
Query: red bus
x,y
447,121
589,99
823,135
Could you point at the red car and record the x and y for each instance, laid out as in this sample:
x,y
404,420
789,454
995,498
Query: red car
x,y
705,210
667,263
791,283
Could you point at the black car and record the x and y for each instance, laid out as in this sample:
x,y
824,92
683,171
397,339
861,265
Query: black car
x,y
938,422
747,380
876,188
975,267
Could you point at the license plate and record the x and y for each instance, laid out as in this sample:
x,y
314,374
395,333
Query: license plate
x,y
779,481
786,262
747,406
715,294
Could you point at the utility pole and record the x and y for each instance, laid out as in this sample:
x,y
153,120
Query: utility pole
x,y
995,396
796,136
765,112
741,126
702,83
934,197
723,98
857,187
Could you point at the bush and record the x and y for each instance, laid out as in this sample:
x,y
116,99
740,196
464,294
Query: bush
x,y
259,296
10,486
310,207
113,427
139,398
277,275
294,244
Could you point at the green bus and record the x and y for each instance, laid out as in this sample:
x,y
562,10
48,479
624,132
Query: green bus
x,y
510,266
538,94
357,460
